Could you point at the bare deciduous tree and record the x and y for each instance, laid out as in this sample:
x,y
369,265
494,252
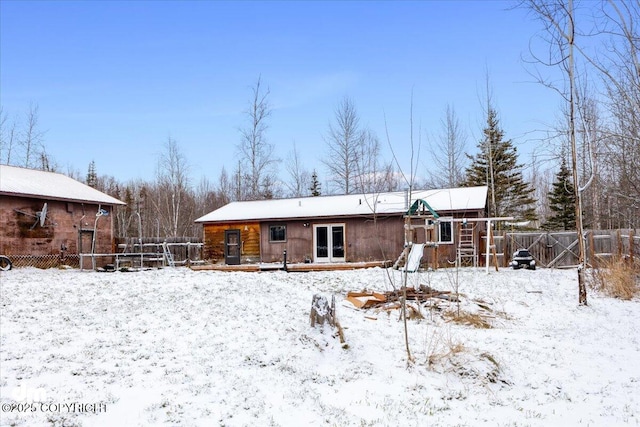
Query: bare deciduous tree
x,y
31,140
558,19
344,140
414,149
371,175
8,137
541,184
207,198
299,178
225,187
257,155
619,64
23,145
589,140
605,147
448,154
172,198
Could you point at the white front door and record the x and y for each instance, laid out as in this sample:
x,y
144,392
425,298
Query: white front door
x,y
328,243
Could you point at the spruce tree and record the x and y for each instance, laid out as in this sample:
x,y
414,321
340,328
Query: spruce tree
x,y
128,211
92,176
496,166
562,201
315,185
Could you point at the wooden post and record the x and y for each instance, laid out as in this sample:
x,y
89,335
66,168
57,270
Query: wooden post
x,y
590,257
493,250
457,244
631,233
507,248
487,246
505,257
619,243
436,236
435,260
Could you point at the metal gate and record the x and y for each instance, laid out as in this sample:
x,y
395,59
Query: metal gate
x,y
560,249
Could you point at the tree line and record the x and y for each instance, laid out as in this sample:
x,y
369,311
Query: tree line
x,y
590,157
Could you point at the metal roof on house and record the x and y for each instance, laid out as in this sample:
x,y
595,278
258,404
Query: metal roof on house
x,y
21,182
443,200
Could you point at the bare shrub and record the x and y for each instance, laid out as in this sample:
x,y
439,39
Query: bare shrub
x,y
414,312
618,278
441,347
445,354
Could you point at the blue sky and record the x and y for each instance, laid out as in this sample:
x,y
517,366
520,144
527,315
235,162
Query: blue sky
x,y
113,80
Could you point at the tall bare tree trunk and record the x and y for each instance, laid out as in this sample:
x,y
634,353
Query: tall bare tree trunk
x,y
558,19
582,249
257,155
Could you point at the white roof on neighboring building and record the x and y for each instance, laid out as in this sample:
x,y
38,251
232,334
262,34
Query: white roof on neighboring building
x,y
15,181
444,200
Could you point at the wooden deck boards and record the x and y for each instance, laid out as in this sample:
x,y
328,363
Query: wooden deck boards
x,y
292,267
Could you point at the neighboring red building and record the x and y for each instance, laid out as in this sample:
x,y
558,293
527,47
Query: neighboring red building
x,y
48,218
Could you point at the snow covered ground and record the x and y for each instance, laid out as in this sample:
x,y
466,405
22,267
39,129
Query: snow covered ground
x,y
180,347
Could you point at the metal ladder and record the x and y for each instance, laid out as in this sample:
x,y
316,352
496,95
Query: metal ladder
x,y
168,256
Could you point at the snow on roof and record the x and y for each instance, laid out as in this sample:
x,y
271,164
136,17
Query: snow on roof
x,y
15,181
443,200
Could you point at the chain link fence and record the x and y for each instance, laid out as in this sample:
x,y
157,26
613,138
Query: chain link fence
x,y
183,251
45,261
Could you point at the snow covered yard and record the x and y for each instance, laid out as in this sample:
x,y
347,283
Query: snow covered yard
x,y
178,347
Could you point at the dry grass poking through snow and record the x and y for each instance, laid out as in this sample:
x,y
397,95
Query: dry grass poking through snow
x,y
446,354
441,346
469,319
618,278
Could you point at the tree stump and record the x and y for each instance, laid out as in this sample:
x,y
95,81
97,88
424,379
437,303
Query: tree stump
x,y
321,311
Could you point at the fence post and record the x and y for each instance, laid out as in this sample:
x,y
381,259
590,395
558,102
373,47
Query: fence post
x,y
505,255
619,243
591,259
631,233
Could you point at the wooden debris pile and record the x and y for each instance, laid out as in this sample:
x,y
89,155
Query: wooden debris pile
x,y
366,299
391,300
423,293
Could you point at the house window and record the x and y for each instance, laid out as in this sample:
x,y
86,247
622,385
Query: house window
x,y
445,234
277,233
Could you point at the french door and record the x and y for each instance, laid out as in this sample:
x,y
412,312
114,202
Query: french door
x,y
328,243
